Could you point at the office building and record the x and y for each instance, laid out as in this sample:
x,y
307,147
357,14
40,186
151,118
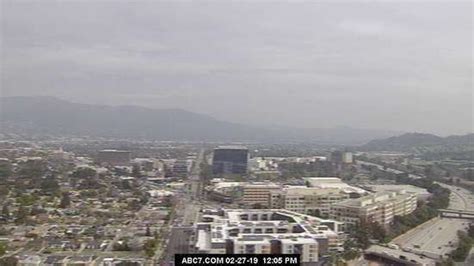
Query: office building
x,y
230,160
378,208
307,200
258,193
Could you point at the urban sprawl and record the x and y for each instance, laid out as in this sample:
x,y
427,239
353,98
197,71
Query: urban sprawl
x,y
110,202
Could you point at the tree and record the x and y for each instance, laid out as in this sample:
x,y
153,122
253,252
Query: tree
x,y
136,170
447,262
33,169
126,184
470,231
9,261
50,185
3,231
65,201
150,247
148,231
351,250
378,232
464,246
84,172
336,260
21,215
5,170
351,254
121,246
429,171
3,248
361,234
6,211
37,209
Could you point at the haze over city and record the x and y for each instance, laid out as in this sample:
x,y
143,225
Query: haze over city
x,y
401,66
230,133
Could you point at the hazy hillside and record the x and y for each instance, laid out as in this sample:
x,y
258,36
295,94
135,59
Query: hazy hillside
x,y
52,116
422,143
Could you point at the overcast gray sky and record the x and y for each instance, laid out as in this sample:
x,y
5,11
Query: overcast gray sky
x,y
399,65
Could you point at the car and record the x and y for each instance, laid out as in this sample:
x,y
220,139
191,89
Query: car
x,y
393,246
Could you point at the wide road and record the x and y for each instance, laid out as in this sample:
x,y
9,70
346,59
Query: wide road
x,y
388,169
439,235
460,199
186,212
179,243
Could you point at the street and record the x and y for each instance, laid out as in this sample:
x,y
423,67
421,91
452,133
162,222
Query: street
x,y
186,213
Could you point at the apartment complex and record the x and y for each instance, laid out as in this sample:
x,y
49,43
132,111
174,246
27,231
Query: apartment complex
x,y
307,200
266,232
379,208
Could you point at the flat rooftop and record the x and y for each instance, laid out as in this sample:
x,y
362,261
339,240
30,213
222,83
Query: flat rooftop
x,y
374,199
333,182
231,147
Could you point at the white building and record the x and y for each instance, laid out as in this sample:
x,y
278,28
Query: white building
x,y
307,200
379,208
269,231
333,182
421,193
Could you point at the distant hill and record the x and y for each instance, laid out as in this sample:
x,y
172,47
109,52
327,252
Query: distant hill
x,y
422,143
49,116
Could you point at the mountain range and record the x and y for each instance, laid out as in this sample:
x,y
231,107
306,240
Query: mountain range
x,y
422,142
50,116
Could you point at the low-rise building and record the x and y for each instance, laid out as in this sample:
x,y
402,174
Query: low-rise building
x,y
307,200
270,231
259,193
379,208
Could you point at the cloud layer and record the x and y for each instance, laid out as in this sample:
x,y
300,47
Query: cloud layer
x,y
394,65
